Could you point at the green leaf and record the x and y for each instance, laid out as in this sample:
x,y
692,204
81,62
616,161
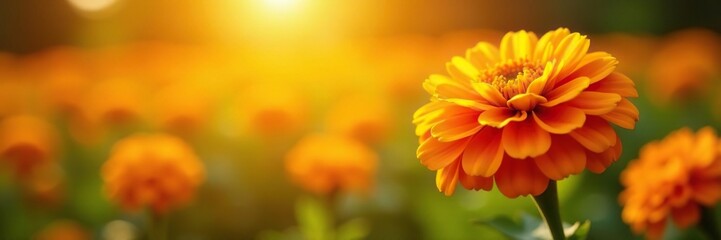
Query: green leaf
x,y
511,229
531,227
353,229
313,218
581,232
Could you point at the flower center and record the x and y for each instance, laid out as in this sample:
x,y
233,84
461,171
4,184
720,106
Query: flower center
x,y
512,76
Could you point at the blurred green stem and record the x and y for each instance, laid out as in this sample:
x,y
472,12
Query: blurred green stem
x,y
158,226
547,204
708,223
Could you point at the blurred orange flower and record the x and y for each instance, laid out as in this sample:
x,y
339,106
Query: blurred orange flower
x,y
115,101
367,119
672,178
155,170
529,111
326,164
181,107
63,230
272,110
685,65
26,142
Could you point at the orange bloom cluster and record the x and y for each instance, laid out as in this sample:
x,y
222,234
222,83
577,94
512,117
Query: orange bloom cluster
x,y
363,118
159,171
326,164
532,110
27,143
685,65
672,178
63,230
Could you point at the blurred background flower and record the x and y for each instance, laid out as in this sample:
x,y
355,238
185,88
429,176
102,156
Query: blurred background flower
x,y
159,172
242,82
330,165
676,178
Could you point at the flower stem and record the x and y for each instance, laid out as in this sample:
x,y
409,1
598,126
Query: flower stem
x,y
708,223
158,227
547,204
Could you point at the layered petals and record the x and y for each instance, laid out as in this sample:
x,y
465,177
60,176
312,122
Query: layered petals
x,y
596,135
625,115
559,120
542,108
435,154
598,162
484,153
525,139
525,101
500,117
447,178
520,177
566,92
595,103
672,179
456,127
564,158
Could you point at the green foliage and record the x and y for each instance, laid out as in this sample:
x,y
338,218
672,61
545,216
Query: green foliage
x,y
533,228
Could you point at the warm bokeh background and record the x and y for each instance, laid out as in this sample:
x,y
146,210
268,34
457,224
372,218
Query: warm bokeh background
x,y
243,81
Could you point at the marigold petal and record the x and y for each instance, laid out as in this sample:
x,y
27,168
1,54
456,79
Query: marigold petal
x,y
515,45
520,177
625,115
569,53
525,139
472,104
565,157
456,127
455,90
598,162
704,148
447,178
559,119
544,47
475,182
595,66
538,85
483,153
615,83
489,93
566,92
525,101
435,154
433,81
708,193
427,116
461,70
654,230
596,135
595,103
686,216
482,55
500,117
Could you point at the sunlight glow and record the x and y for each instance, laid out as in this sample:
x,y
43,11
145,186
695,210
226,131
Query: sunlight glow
x,y
91,5
281,5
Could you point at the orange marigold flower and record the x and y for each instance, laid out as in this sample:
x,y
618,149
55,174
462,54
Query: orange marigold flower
x,y
364,118
272,110
325,164
63,230
672,178
686,65
182,107
26,144
159,171
115,101
529,111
